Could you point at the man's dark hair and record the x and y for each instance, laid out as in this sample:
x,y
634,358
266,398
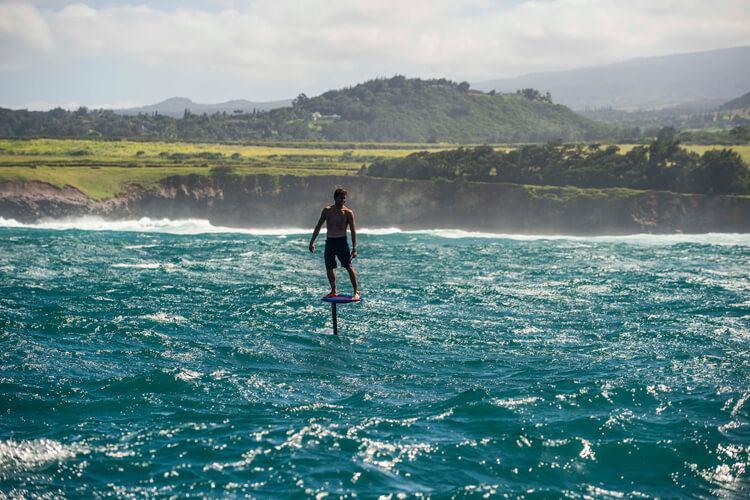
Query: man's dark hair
x,y
339,191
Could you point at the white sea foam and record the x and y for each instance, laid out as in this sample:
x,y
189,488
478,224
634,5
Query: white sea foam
x,y
169,226
187,375
163,317
10,223
29,455
140,265
203,226
148,225
513,403
639,239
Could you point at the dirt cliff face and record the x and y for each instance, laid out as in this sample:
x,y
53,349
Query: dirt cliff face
x,y
290,201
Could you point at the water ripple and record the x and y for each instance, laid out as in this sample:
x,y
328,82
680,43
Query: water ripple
x,y
144,363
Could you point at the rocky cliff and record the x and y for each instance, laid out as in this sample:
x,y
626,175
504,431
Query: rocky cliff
x,y
290,201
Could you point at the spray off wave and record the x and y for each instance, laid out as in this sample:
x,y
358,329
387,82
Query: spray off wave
x,y
203,226
147,225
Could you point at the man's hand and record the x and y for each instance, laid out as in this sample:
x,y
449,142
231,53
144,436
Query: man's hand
x,y
312,247
354,253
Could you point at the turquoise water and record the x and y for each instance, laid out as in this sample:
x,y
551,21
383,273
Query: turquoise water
x,y
158,358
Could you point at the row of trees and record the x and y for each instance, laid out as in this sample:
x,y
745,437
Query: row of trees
x,y
106,123
661,165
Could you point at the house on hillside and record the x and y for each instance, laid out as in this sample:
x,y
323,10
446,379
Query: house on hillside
x,y
317,116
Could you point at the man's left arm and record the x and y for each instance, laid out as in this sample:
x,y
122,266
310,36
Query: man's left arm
x,y
353,229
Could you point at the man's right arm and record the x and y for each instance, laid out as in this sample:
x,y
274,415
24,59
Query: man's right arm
x,y
316,231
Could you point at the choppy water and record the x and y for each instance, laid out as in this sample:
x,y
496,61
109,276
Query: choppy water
x,y
163,358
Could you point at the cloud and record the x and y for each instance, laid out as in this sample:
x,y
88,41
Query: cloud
x,y
314,40
24,34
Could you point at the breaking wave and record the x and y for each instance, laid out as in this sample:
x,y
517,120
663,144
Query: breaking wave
x,y
204,226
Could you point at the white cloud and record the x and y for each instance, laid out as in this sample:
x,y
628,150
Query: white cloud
x,y
24,34
315,40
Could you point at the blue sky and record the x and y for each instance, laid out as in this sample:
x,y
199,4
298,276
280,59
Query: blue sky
x,y
129,53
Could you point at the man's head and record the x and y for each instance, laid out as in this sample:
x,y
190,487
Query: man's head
x,y
339,196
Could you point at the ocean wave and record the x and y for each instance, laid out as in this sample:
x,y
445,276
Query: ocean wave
x,y
146,225
35,454
638,239
162,317
192,226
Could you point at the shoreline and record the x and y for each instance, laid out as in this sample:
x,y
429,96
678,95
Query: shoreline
x,y
265,202
192,227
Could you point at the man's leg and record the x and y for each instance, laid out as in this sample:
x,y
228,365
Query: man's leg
x,y
332,281
330,260
353,278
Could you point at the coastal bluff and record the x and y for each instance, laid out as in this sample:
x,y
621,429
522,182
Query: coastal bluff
x,y
293,201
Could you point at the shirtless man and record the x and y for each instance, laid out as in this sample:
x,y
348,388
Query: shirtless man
x,y
337,218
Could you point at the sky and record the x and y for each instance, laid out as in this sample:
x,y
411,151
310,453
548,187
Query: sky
x,y
131,53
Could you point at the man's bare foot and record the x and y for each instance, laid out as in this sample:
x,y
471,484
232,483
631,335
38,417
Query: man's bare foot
x,y
332,294
355,296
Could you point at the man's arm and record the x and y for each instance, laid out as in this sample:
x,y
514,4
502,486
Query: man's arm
x,y
316,231
353,229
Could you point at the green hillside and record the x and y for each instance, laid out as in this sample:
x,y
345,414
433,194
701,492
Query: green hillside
x,y
382,110
742,102
414,110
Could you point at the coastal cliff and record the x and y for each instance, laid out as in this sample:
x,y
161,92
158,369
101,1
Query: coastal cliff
x,y
293,201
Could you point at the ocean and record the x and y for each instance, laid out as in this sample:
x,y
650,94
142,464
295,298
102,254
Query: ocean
x,y
158,358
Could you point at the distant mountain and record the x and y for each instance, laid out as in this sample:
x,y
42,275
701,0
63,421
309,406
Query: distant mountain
x,y
700,80
739,103
176,106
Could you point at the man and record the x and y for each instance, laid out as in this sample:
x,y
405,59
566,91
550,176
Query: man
x,y
337,218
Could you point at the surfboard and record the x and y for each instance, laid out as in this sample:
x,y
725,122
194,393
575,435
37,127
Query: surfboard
x,y
341,299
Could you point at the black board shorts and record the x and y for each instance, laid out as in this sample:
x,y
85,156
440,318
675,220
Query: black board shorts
x,y
337,247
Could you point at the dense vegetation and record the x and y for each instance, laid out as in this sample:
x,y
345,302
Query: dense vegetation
x,y
742,102
661,165
415,110
648,123
382,110
102,169
733,137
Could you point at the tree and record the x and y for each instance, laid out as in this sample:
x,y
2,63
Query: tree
x,y
740,133
300,101
667,135
535,95
726,172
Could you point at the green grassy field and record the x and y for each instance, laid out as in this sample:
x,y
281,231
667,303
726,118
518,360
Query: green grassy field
x,y
103,169
156,151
